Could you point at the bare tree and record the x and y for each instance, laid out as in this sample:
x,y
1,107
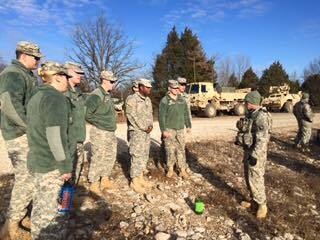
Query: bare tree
x,y
225,69
242,64
2,64
313,68
99,45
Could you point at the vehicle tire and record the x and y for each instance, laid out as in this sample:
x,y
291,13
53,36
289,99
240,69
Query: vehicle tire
x,y
288,107
239,109
210,111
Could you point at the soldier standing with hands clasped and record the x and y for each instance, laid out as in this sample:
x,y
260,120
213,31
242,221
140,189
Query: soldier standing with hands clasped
x,y
173,117
254,136
140,118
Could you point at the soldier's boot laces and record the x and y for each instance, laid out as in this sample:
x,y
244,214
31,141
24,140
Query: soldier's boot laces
x,y
262,211
183,173
136,185
95,188
170,172
9,230
145,183
245,204
106,183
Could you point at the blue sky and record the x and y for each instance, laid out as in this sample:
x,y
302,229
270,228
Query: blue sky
x,y
263,30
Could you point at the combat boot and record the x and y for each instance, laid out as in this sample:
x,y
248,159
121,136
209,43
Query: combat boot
x,y
170,172
95,188
106,184
9,230
144,182
183,173
245,204
136,185
262,211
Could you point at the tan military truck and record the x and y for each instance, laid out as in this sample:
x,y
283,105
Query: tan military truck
x,y
204,98
280,99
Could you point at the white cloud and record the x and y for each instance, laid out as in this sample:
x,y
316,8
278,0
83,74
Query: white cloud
x,y
215,10
33,13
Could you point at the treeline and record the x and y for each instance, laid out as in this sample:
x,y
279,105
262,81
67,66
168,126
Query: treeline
x,y
183,56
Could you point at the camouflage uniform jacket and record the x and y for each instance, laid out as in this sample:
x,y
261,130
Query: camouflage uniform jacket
x,y
303,111
17,85
77,129
48,120
100,110
173,113
139,112
260,130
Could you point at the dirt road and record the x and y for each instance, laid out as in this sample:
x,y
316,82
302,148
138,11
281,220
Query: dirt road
x,y
203,129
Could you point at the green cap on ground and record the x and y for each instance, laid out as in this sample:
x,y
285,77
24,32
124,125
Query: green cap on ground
x,y
253,97
29,48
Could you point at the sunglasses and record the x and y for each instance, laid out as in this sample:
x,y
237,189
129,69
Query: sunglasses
x,y
35,58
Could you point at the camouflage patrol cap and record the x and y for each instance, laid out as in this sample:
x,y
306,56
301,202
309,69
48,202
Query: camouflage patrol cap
x,y
52,68
182,80
173,83
77,67
107,75
29,48
254,98
145,82
305,95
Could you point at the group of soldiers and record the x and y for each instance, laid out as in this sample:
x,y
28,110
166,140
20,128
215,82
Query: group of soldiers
x,y
44,128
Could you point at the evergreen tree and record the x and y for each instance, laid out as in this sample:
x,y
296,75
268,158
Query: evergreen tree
x,y
249,80
233,81
275,75
182,57
312,86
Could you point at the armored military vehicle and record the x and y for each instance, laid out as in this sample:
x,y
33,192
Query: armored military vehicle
x,y
280,99
208,100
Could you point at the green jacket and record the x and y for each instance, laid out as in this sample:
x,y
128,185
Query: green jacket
x,y
173,114
17,85
48,119
77,129
100,110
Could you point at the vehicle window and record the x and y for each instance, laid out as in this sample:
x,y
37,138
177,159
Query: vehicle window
x,y
203,88
194,88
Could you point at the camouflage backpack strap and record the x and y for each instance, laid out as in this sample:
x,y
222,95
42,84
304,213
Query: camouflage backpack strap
x,y
269,117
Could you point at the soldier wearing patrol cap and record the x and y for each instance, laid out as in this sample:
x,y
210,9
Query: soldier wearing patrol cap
x,y
173,117
77,130
17,85
140,118
134,88
303,113
100,113
49,161
182,88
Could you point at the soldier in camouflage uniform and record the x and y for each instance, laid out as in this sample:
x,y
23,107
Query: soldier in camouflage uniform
x,y
17,85
134,88
77,129
100,113
303,113
49,161
173,117
254,135
182,88
140,118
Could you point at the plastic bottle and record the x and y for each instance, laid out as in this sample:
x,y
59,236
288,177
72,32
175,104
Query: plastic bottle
x,y
199,206
66,198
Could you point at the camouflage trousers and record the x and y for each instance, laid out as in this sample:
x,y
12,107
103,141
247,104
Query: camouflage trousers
x,y
304,133
46,222
254,176
104,153
78,156
139,148
22,190
175,149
